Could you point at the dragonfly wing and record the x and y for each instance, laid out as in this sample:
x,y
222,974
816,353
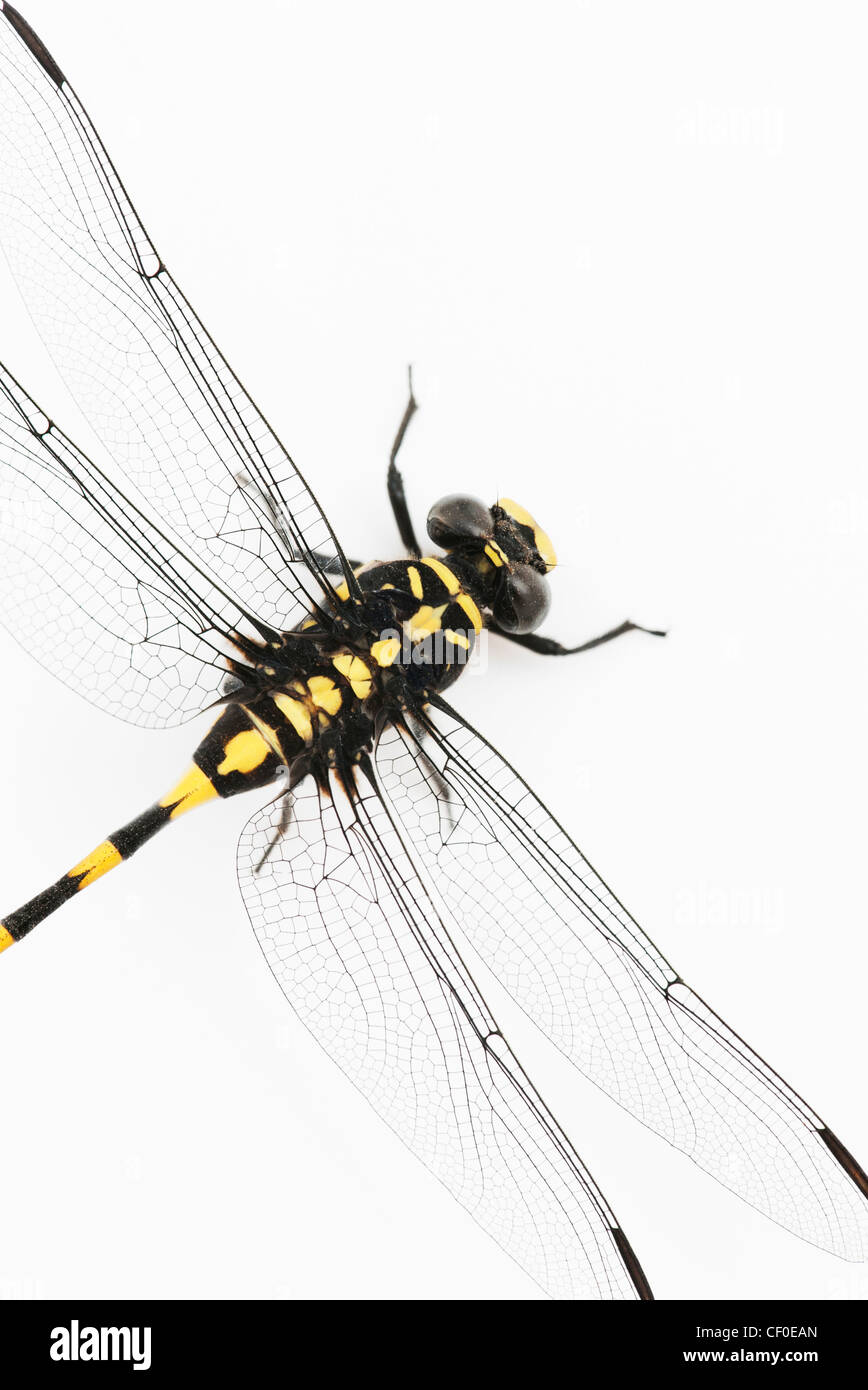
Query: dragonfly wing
x,y
357,947
99,594
575,960
152,383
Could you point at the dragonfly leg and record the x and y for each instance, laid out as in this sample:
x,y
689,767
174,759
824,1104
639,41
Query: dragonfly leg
x,y
395,480
547,646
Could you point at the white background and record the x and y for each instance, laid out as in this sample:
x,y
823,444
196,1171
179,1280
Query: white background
x,y
624,245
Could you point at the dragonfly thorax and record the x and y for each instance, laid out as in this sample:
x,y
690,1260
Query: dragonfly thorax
x,y
416,624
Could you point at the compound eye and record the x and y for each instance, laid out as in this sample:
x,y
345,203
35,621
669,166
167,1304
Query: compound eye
x,y
458,518
523,601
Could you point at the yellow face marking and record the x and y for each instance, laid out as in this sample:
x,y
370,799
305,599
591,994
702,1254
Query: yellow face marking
x,y
297,714
244,752
97,863
458,639
6,939
466,602
385,651
545,548
443,572
524,518
495,554
516,511
193,789
415,579
353,669
325,694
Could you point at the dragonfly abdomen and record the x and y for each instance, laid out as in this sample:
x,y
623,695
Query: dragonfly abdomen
x,y
245,749
233,757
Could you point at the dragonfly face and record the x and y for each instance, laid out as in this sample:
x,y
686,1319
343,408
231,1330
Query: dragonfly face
x,y
508,552
205,553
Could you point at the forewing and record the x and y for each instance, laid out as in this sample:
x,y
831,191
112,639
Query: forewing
x,y
579,965
93,589
142,367
355,944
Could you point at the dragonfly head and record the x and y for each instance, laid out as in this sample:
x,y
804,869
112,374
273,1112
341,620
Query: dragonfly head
x,y
512,553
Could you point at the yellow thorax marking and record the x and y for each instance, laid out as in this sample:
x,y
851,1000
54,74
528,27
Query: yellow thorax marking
x,y
6,939
97,863
385,651
415,579
343,591
443,572
458,639
466,602
424,621
353,669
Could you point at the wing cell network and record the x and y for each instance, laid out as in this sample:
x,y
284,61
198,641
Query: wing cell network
x,y
353,908
354,941
543,920
153,385
105,600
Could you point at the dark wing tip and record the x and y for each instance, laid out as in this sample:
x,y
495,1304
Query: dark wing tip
x,y
34,43
853,1169
632,1265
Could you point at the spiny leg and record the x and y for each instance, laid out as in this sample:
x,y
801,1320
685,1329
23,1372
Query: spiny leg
x,y
547,646
395,481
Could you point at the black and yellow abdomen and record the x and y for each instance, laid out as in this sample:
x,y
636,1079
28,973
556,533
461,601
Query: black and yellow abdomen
x,y
245,749
232,758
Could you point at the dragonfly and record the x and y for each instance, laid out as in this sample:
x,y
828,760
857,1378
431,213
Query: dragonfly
x,y
199,572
